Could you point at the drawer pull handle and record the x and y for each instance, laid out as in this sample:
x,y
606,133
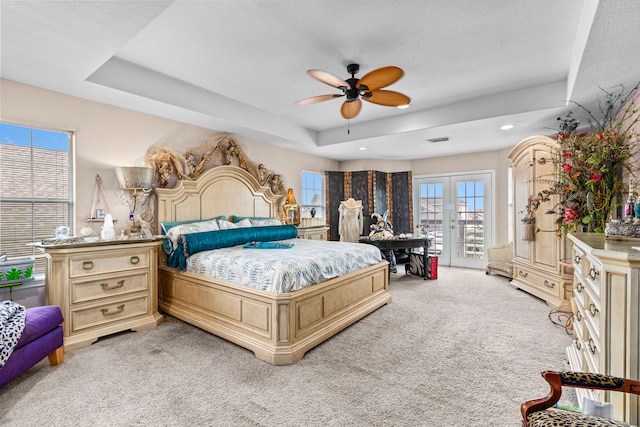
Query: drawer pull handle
x,y
105,311
593,273
578,258
593,310
87,265
592,346
578,344
579,316
106,287
579,287
549,284
523,273
135,260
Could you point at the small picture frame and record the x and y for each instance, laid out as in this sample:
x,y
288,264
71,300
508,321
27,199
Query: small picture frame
x,y
100,213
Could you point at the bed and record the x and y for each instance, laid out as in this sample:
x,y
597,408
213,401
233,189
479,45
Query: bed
x,y
279,327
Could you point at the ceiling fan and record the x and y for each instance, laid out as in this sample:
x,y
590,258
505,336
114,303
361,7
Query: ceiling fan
x,y
367,88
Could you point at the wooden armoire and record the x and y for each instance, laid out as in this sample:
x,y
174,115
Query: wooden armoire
x,y
379,192
537,266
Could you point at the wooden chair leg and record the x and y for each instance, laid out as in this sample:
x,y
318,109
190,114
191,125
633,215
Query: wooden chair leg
x,y
56,357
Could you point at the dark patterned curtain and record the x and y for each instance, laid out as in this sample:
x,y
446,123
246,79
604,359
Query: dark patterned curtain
x,y
361,190
378,191
334,183
401,202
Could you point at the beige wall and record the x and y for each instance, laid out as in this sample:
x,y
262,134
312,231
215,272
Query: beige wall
x,y
490,160
107,137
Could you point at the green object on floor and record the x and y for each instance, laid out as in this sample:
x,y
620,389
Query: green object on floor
x,y
565,406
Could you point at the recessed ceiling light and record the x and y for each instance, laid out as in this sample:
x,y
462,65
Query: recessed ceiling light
x,y
506,127
362,148
402,107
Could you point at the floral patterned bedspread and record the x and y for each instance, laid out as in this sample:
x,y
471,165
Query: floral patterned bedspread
x,y
280,271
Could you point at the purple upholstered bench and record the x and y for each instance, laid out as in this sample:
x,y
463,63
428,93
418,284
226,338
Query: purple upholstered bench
x,y
42,336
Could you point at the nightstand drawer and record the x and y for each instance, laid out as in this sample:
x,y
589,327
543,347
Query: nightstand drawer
x,y
107,262
108,313
108,286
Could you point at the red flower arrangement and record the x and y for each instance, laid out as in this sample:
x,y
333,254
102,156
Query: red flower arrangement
x,y
592,167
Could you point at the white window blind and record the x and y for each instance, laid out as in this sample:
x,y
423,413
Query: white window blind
x,y
35,187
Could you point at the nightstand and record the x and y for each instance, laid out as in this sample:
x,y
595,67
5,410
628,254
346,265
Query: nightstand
x,y
320,232
103,288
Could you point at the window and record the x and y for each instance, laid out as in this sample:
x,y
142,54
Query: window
x,y
312,208
35,187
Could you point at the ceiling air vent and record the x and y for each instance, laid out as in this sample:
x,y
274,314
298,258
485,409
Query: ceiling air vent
x,y
441,139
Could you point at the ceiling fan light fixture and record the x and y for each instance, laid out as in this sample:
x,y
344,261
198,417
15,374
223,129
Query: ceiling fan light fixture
x,y
368,88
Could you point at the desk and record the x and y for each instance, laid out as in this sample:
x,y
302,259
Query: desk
x,y
388,245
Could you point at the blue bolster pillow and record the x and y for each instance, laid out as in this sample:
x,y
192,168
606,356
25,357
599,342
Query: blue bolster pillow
x,y
197,242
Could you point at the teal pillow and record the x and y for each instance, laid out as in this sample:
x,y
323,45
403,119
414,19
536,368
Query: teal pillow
x,y
191,243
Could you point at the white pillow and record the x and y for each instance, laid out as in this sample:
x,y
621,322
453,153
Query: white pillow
x,y
264,222
228,225
194,227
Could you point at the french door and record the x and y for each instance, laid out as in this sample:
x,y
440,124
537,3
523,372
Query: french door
x,y
457,211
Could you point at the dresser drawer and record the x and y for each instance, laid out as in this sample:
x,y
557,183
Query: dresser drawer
x,y
111,313
107,262
592,276
579,291
108,286
592,355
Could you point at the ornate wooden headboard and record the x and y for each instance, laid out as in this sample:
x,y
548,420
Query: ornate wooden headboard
x,y
223,190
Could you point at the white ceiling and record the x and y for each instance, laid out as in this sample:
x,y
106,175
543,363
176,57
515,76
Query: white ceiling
x,y
238,66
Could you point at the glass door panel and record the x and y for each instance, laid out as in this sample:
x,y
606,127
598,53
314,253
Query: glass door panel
x,y
456,212
470,228
432,217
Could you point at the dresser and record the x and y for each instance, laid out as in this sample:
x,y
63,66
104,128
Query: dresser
x,y
103,288
320,232
606,307
536,265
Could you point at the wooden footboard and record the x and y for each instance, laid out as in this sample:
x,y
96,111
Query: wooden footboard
x,y
278,328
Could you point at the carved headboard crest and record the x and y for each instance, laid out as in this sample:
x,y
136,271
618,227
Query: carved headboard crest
x,y
222,149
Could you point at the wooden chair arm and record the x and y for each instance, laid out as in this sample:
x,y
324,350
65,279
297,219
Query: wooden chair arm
x,y
535,405
557,380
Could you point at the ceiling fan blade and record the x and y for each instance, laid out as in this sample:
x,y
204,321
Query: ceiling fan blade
x,y
318,98
350,109
328,78
381,77
388,98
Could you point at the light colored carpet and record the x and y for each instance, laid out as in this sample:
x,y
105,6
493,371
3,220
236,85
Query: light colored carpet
x,y
464,350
